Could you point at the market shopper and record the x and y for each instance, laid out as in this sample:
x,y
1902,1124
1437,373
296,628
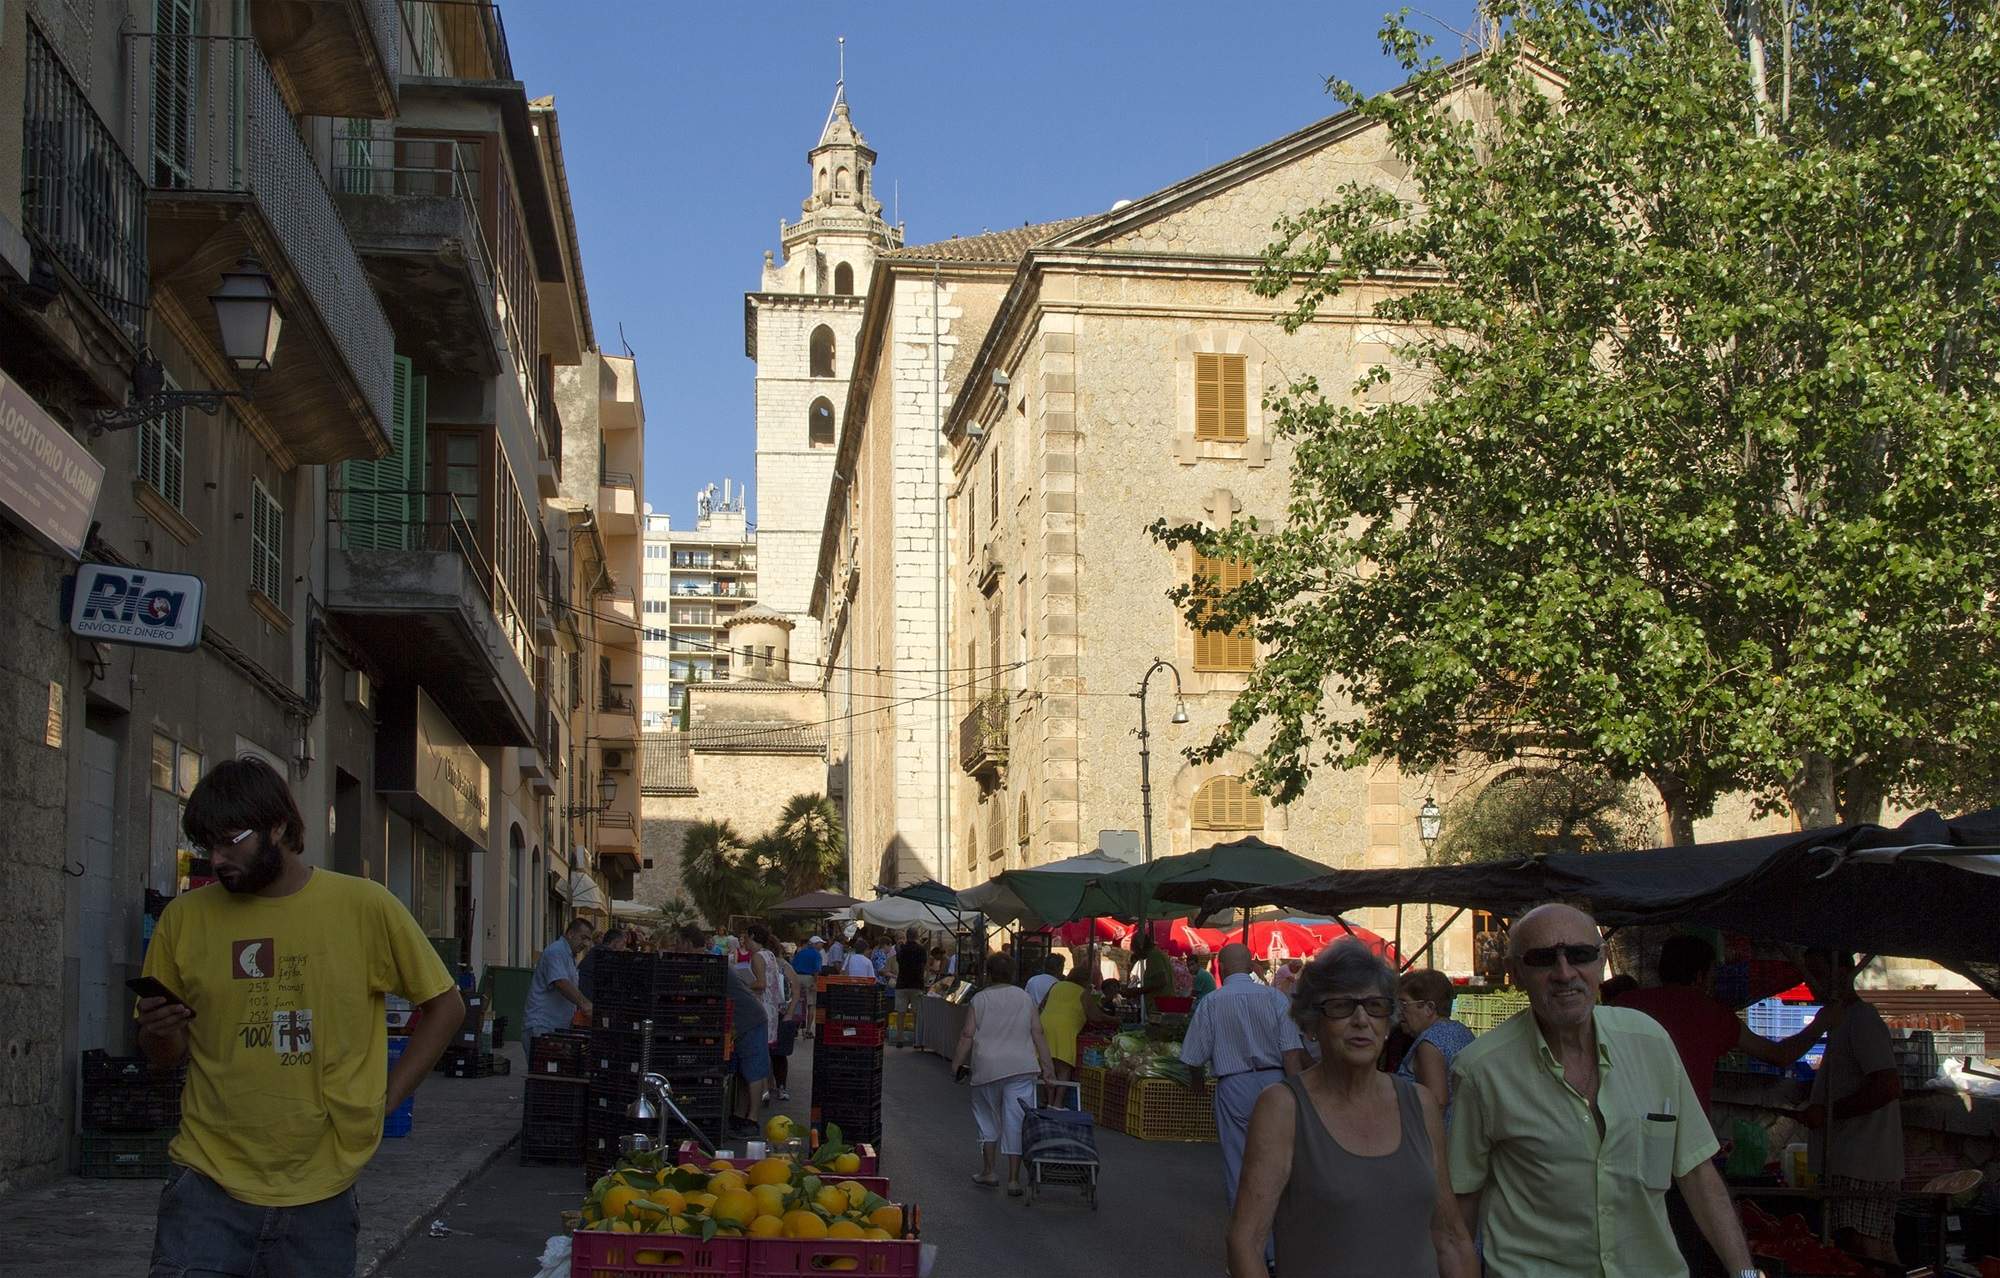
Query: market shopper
x,y
1156,977
1569,1124
1856,1116
1346,1169
1244,1034
281,969
555,994
778,994
808,963
858,964
1066,1012
1042,982
911,962
750,1059
1425,1004
1002,1052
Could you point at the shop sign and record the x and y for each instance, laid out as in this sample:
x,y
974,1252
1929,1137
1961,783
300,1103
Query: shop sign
x,y
451,776
48,480
136,606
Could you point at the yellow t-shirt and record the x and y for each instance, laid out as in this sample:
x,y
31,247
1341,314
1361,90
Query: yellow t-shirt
x,y
290,1065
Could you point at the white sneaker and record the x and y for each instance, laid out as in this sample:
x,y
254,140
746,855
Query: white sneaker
x,y
768,1096
784,1094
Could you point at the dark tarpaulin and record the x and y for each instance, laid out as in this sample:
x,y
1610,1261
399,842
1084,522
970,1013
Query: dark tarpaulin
x,y
1814,889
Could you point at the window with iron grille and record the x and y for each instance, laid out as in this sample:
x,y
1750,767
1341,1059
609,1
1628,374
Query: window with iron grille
x,y
1219,409
267,544
163,456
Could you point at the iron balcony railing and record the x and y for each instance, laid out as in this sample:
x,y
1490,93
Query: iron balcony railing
x,y
368,519
617,698
81,196
618,479
458,39
982,735
385,24
218,123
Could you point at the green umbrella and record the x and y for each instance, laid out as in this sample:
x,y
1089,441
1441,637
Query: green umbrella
x,y
1046,895
928,892
1177,885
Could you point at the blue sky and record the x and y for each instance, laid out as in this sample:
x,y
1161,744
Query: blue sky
x,y
685,128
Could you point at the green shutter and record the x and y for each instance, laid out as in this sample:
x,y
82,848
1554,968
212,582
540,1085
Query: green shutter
x,y
375,506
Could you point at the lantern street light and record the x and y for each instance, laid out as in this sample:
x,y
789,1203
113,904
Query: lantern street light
x,y
607,794
246,314
1430,824
1145,754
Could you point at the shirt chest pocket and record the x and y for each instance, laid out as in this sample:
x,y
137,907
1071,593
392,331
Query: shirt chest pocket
x,y
1658,1134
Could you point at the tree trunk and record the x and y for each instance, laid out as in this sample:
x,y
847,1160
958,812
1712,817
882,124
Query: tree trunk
x,y
1860,797
1811,793
1679,807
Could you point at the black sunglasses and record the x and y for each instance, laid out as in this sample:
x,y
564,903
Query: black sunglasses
x,y
1578,955
1339,1009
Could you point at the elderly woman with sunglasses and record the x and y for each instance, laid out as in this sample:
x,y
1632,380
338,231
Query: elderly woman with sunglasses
x,y
1346,1164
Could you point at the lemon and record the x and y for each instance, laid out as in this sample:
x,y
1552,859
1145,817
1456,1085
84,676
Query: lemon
x,y
770,1171
770,1199
704,1201
616,1199
803,1224
888,1217
842,1262
844,1229
736,1207
780,1129
831,1201
847,1164
873,1234
856,1192
721,1165
724,1182
669,1199
691,1167
767,1227
621,1226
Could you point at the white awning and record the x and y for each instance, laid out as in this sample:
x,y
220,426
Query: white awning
x,y
584,893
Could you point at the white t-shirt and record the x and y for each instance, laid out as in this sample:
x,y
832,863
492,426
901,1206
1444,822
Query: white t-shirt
x,y
1869,1147
1039,986
859,964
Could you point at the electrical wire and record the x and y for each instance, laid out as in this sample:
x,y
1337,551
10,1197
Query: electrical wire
x,y
841,718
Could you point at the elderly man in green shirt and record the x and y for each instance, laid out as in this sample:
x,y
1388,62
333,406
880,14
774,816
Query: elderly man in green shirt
x,y
1572,1119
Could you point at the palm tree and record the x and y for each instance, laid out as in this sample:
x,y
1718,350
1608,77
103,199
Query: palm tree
x,y
809,844
712,868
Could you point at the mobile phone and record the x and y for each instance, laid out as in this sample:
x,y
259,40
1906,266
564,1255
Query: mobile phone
x,y
150,987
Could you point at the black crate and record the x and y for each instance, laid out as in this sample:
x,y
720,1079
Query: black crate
x,y
551,1101
615,1052
125,1093
692,1093
855,1129
641,980
561,1054
125,1155
672,1016
854,1003
552,1147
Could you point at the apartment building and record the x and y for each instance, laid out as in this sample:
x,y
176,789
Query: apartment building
x,y
696,580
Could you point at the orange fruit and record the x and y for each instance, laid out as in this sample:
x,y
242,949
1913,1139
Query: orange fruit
x,y
803,1224
669,1199
725,1181
873,1234
770,1171
616,1199
888,1217
767,1227
856,1192
844,1229
736,1207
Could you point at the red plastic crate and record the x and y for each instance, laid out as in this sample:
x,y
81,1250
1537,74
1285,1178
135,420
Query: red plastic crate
x,y
850,1034
596,1254
791,1257
868,1175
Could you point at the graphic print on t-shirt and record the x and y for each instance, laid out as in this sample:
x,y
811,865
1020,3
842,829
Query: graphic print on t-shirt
x,y
272,1016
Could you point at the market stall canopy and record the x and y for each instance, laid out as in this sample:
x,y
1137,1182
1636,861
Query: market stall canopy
x,y
1048,894
1926,889
901,912
814,903
1161,887
584,893
930,892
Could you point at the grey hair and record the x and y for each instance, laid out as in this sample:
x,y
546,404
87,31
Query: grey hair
x,y
1346,967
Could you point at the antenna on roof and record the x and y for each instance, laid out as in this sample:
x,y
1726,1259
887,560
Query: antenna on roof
x,y
622,342
842,42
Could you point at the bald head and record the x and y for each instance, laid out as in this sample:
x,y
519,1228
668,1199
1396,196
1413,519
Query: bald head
x,y
1235,958
1552,924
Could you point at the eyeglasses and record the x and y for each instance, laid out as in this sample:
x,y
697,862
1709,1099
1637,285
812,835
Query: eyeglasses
x,y
210,849
1339,1009
1577,955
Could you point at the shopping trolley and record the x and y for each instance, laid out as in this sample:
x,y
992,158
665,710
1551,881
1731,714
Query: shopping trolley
x,y
1059,1141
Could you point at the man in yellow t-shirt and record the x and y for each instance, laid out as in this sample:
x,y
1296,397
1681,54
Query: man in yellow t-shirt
x,y
282,970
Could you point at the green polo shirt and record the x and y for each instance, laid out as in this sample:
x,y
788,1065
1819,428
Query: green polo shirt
x,y
1558,1200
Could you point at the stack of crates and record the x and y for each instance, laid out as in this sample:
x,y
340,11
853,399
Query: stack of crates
x,y
555,1100
130,1114
852,1015
471,1054
686,997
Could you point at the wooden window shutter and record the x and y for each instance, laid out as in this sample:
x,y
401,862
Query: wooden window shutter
x,y
1224,651
1226,803
1220,411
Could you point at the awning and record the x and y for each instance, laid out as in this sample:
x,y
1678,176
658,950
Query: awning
x,y
584,894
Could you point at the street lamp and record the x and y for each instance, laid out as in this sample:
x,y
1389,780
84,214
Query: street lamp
x,y
247,314
1430,824
607,793
1145,754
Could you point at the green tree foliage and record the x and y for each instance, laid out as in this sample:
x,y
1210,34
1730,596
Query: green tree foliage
x,y
1530,811
811,844
727,876
1685,469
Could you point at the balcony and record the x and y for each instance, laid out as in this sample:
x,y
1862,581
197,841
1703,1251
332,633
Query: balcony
x,y
549,433
409,581
541,762
618,503
457,40
982,738
618,708
232,179
338,57
618,835
82,200
412,207
618,602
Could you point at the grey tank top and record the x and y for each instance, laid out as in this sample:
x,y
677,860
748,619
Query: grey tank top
x,y
1345,1216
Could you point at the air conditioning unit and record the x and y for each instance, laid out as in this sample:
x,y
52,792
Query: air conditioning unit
x,y
358,690
614,761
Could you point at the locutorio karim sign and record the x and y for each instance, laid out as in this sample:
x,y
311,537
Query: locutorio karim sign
x,y
48,480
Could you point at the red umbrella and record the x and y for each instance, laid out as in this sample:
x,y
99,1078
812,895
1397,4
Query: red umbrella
x,y
1328,933
1082,931
1282,939
1179,937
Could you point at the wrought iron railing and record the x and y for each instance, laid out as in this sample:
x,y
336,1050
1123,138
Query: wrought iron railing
x,y
219,124
367,519
81,196
617,698
982,735
460,39
618,479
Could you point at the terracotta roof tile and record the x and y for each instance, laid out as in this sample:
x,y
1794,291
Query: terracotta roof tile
x,y
663,764
758,738
999,247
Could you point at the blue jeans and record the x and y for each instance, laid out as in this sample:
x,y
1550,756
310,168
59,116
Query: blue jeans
x,y
204,1233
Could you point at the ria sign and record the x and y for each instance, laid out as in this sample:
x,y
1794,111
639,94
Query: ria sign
x,y
137,606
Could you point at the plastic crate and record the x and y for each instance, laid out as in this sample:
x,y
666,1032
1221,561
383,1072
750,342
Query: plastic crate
x,y
863,1001
844,1033
596,1254
1090,1081
562,1145
671,1015
691,1095
792,1257
560,1055
125,1155
1968,1044
615,1052
834,1060
1482,1012
1161,1109
630,979
557,1101
1112,1101
125,1093
1776,1019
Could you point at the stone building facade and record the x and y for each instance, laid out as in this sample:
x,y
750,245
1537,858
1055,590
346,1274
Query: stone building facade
x,y
800,328
752,744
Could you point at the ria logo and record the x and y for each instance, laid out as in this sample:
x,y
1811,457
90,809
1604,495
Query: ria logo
x,y
116,597
251,960
115,604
